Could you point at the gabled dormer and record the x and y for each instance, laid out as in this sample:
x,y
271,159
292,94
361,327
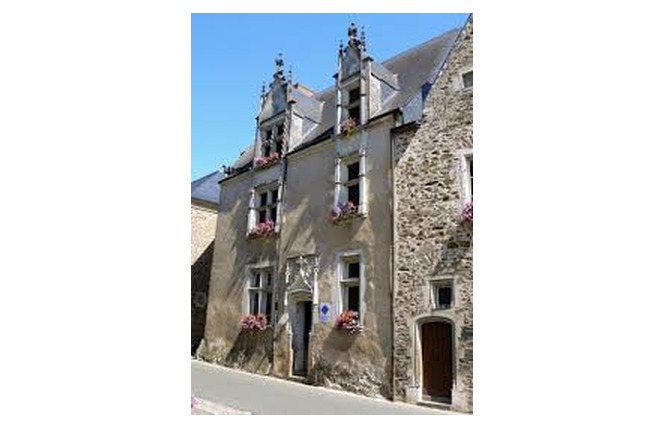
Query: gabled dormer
x,y
362,85
272,125
351,83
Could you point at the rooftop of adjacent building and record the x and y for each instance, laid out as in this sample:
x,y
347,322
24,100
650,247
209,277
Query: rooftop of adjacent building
x,y
205,190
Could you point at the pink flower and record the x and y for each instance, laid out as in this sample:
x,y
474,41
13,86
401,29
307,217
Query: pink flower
x,y
194,401
343,212
262,230
348,321
254,322
467,212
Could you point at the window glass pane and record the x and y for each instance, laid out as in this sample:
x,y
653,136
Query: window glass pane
x,y
444,297
353,170
354,194
280,130
253,302
471,175
354,95
273,214
262,216
468,79
264,199
354,113
266,150
279,147
268,308
274,197
353,270
268,279
353,299
268,134
257,280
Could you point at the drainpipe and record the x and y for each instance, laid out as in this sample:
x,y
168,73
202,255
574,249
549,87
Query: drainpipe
x,y
393,235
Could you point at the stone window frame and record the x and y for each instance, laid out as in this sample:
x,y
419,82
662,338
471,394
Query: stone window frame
x,y
255,201
273,124
341,259
346,87
340,179
466,156
434,283
460,78
250,273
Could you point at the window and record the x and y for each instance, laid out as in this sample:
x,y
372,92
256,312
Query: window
x,y
353,183
350,283
280,139
260,292
350,183
466,162
267,209
442,291
353,106
469,164
467,79
264,206
267,143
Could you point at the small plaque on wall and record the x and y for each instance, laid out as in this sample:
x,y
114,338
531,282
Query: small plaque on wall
x,y
324,312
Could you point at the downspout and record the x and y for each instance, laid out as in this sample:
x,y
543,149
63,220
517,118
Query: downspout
x,y
392,261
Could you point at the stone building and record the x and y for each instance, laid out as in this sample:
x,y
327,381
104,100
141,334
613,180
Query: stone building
x,y
205,200
345,262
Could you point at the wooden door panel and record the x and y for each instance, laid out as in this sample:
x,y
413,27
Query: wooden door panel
x,y
437,358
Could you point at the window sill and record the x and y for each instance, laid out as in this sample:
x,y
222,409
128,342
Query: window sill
x,y
347,219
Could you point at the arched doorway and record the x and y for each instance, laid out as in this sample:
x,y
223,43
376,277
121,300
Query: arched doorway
x,y
437,361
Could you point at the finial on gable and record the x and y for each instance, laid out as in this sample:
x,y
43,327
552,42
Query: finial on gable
x,y
263,88
279,65
353,32
362,36
290,76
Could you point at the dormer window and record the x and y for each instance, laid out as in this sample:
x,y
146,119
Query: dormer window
x,y
280,139
353,106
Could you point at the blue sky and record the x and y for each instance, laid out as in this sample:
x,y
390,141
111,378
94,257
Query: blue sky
x,y
232,54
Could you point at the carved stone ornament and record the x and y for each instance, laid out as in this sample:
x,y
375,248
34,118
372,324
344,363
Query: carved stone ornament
x,y
301,276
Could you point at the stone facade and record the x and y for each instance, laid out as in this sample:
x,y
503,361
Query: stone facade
x,y
204,221
432,240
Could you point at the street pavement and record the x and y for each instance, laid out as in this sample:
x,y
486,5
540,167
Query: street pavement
x,y
241,392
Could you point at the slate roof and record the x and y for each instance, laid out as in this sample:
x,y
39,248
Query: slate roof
x,y
414,68
206,189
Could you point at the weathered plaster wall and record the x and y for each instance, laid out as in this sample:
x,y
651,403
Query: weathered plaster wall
x,y
362,363
431,240
224,342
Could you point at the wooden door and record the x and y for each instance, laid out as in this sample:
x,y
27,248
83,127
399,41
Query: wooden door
x,y
437,350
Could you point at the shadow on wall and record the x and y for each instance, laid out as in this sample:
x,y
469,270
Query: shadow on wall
x,y
199,295
348,362
252,351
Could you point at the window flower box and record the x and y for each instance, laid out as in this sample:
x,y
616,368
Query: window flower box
x,y
348,321
467,213
252,322
266,161
348,127
344,213
262,230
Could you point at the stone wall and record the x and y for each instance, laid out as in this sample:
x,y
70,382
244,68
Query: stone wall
x,y
203,234
432,241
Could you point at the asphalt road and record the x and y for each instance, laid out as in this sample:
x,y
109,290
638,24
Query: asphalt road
x,y
263,395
